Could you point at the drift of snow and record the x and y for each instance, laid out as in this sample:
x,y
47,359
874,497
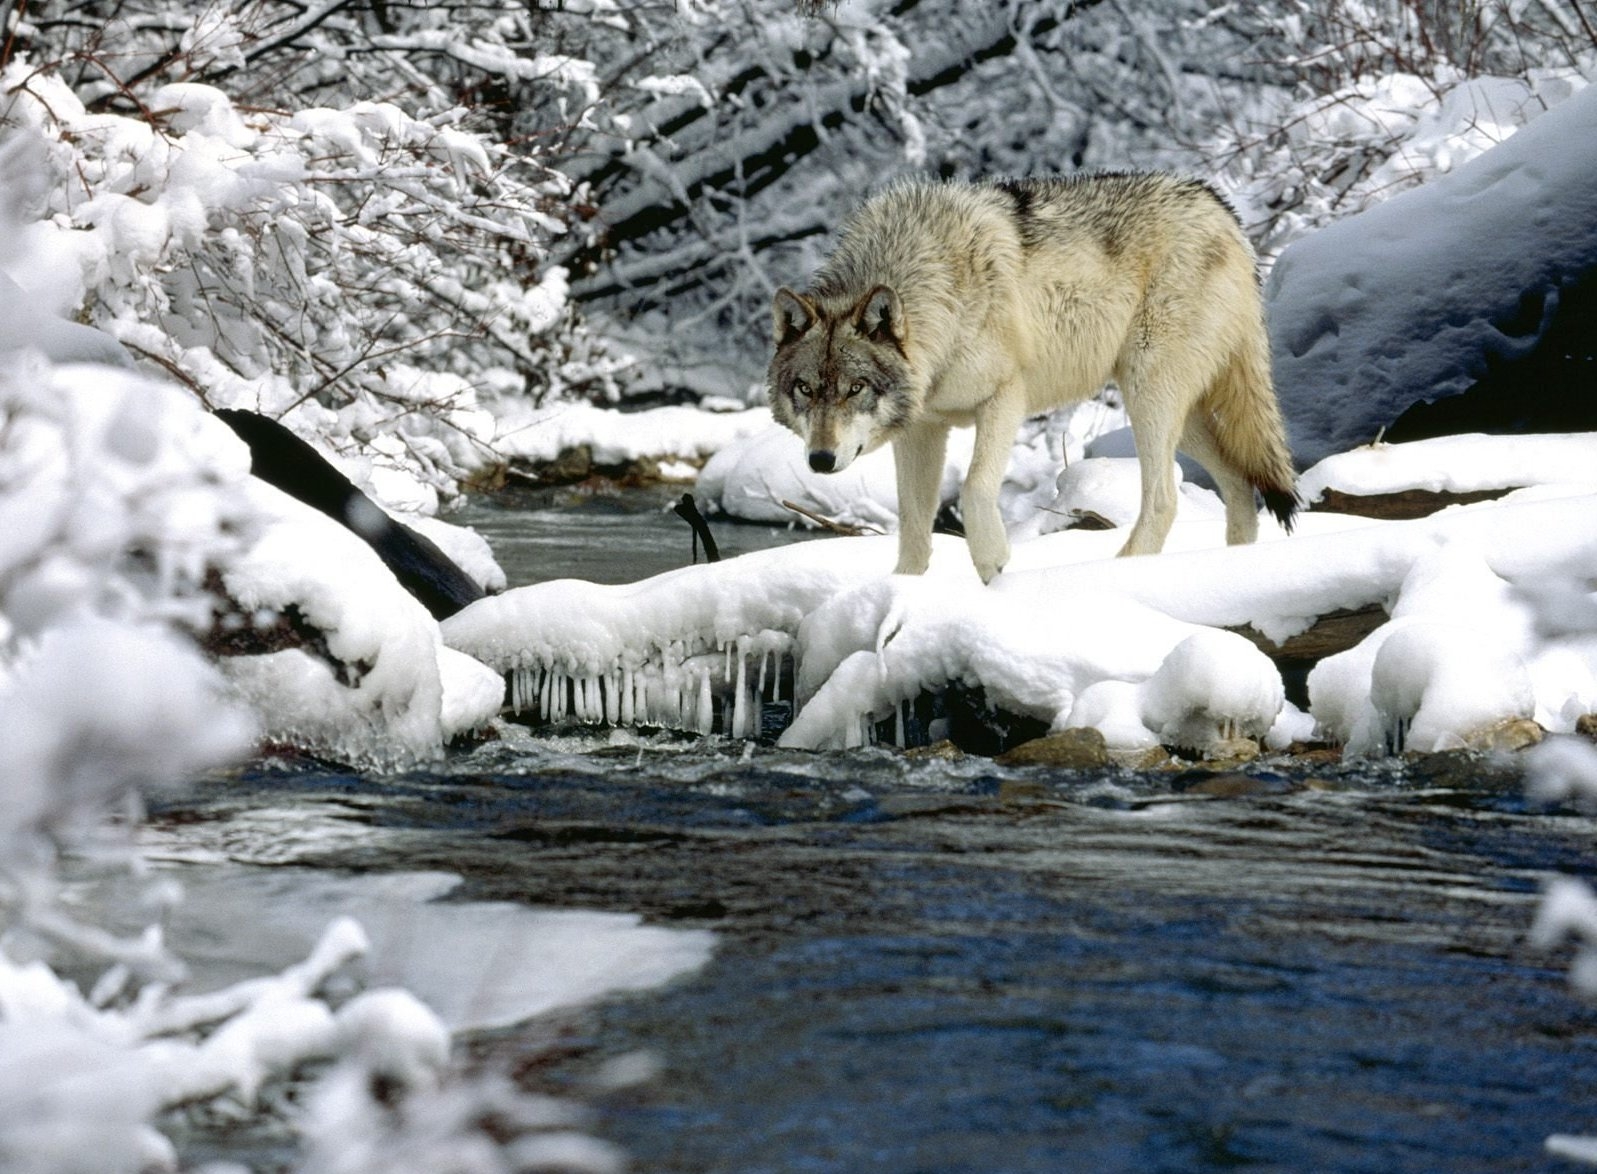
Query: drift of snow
x,y
1404,301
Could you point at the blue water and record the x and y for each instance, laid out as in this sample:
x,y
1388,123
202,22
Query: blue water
x,y
955,967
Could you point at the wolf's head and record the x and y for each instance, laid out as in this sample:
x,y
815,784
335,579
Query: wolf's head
x,y
840,378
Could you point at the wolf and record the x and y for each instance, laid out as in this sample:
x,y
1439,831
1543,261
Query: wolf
x,y
947,304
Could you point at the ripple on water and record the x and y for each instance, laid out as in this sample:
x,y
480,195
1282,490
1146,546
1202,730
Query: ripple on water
x,y
957,966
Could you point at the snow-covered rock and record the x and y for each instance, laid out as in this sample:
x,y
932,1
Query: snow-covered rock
x,y
1404,302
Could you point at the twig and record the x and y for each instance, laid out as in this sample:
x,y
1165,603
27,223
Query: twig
x,y
828,524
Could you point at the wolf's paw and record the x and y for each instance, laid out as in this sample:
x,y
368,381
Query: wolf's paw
x,y
913,557
990,558
989,571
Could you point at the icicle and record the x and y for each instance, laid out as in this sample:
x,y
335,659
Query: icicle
x,y
764,655
740,704
898,724
628,710
704,719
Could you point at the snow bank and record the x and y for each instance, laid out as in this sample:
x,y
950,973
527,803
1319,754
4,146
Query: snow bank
x,y
752,476
615,438
1403,302
1073,636
1455,464
664,650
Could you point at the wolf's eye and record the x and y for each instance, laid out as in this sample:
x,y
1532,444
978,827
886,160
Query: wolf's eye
x,y
855,388
801,389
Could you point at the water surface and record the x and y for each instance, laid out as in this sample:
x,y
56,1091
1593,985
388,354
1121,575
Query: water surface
x,y
932,966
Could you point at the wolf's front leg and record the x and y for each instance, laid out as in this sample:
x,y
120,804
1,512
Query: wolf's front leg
x,y
918,463
996,422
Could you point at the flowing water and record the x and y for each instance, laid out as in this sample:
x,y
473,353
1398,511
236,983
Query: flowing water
x,y
922,964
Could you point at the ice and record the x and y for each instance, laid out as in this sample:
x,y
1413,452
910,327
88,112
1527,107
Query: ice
x,y
475,965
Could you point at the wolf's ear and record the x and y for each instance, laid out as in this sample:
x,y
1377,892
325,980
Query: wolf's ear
x,y
879,316
791,314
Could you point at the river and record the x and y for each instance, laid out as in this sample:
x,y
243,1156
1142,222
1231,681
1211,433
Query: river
x,y
929,964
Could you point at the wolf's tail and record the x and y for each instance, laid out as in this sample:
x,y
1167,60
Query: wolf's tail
x,y
1251,434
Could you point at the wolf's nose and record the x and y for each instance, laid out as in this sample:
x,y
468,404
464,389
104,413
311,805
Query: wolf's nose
x,y
822,461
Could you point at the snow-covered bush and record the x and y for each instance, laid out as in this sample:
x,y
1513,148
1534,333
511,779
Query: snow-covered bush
x,y
1377,96
117,495
300,212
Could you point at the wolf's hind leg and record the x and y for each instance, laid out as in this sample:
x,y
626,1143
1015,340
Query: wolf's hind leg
x,y
918,468
1156,413
1241,510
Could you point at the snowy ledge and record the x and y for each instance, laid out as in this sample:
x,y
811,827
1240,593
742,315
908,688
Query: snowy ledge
x,y
572,441
1489,621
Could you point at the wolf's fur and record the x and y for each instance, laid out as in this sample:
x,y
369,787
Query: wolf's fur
x,y
950,303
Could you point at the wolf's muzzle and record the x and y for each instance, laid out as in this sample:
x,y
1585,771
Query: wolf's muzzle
x,y
823,461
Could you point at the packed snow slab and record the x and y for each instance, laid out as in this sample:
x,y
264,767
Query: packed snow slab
x,y
1403,302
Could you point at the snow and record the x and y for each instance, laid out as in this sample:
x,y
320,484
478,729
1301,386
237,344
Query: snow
x,y
380,700
1212,687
